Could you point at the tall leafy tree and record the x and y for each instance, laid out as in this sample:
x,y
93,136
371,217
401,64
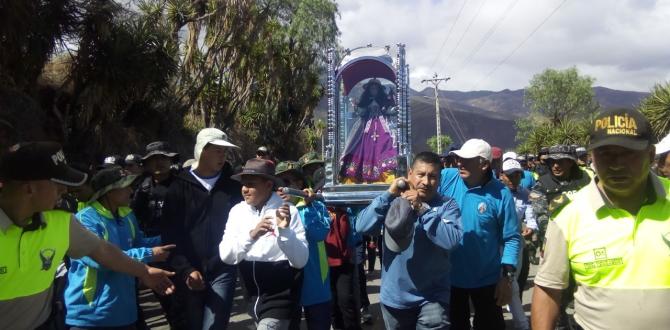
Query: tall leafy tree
x,y
560,95
561,104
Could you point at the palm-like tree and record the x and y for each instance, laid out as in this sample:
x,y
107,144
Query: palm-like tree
x,y
657,109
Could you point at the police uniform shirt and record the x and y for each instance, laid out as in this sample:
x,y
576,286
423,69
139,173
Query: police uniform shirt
x,y
620,261
29,312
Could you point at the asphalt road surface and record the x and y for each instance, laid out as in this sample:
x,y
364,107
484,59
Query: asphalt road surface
x,y
240,320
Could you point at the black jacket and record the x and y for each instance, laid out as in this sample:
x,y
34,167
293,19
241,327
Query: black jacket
x,y
194,219
552,187
148,203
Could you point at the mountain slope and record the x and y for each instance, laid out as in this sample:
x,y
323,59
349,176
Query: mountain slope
x,y
488,115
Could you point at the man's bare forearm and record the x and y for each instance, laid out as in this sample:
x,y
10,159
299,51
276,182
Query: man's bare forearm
x,y
113,258
544,308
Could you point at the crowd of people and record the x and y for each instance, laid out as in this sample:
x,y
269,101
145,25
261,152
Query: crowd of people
x,y
455,237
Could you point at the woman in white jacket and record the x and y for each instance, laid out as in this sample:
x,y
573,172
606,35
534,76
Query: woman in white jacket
x,y
266,238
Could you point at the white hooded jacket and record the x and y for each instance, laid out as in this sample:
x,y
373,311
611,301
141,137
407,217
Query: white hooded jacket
x,y
281,244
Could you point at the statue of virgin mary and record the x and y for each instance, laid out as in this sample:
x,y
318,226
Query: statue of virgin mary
x,y
370,155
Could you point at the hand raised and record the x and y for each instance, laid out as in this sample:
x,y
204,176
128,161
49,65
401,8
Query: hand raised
x,y
283,216
398,186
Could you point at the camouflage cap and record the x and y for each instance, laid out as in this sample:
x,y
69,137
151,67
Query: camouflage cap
x,y
310,158
287,166
562,151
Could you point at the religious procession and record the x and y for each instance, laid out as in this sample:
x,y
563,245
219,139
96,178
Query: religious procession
x,y
233,165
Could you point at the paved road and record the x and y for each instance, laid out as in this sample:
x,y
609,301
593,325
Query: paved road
x,y
240,320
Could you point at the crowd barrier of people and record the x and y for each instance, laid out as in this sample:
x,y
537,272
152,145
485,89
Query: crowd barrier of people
x,y
455,237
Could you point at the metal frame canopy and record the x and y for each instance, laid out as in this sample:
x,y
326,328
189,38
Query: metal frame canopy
x,y
356,66
364,63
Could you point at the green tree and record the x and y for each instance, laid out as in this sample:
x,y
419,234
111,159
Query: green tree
x,y
252,67
559,95
433,141
657,109
157,69
314,134
561,104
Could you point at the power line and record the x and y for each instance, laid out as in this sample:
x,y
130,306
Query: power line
x,y
479,10
436,82
486,36
520,45
458,124
458,15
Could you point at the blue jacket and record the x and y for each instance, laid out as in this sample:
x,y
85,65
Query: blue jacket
x,y
420,273
527,180
96,296
490,224
316,280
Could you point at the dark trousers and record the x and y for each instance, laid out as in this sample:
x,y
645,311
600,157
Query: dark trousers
x,y
363,286
523,272
346,297
210,308
317,317
488,315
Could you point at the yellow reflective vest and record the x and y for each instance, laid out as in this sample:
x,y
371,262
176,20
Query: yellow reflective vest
x,y
29,259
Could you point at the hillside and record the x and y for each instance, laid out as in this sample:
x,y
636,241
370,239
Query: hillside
x,y
487,114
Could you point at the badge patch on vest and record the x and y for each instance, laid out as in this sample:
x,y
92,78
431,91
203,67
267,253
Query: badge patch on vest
x,y
3,270
601,260
47,257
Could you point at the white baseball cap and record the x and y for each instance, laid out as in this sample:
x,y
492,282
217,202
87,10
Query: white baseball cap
x,y
510,155
663,146
474,148
511,166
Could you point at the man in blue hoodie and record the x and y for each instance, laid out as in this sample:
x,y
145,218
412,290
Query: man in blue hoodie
x,y
485,260
421,228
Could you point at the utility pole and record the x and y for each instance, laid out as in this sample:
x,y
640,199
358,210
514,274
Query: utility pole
x,y
436,82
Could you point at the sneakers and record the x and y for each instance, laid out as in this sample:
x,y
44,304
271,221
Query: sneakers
x,y
366,317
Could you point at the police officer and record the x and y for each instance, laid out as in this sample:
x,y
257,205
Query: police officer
x,y
148,203
150,197
34,240
553,191
613,238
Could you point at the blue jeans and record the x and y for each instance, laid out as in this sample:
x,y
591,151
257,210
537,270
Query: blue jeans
x,y
210,308
433,315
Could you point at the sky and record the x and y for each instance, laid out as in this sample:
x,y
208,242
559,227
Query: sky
x,y
623,44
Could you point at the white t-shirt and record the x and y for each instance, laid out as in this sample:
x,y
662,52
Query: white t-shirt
x,y
209,182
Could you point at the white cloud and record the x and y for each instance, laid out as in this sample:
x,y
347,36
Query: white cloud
x,y
622,43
